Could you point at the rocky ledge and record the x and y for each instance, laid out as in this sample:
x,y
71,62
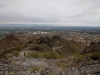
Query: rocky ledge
x,y
22,66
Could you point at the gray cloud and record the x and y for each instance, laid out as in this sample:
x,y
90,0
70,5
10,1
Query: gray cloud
x,y
68,12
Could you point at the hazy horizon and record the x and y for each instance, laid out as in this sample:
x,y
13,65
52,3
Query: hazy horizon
x,y
43,25
52,12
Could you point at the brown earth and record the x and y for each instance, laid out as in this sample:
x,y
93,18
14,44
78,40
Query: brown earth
x,y
9,41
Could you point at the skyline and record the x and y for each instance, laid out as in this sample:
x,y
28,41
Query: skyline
x,y
54,12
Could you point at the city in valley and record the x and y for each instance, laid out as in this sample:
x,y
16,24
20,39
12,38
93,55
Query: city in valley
x,y
49,50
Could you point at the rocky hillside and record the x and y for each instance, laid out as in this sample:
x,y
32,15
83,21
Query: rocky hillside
x,y
93,47
10,37
56,44
9,41
44,56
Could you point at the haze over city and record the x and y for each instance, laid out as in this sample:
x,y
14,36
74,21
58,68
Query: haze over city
x,y
54,12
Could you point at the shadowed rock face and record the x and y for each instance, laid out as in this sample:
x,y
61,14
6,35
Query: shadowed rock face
x,y
93,47
94,57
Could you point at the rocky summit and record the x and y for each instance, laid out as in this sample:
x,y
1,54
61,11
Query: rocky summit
x,y
31,66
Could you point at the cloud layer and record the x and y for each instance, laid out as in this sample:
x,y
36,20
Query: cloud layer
x,y
66,12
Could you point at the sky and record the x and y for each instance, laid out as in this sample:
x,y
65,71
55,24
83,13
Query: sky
x,y
55,12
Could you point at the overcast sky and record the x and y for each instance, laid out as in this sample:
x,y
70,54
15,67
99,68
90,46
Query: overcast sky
x,y
58,12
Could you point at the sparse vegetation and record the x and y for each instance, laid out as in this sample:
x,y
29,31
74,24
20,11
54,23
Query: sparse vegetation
x,y
50,55
93,55
9,56
36,68
16,53
33,54
61,64
79,56
45,40
47,55
38,48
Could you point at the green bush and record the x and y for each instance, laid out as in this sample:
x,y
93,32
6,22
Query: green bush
x,y
7,50
62,56
61,64
79,56
18,48
16,53
47,55
36,68
33,54
50,55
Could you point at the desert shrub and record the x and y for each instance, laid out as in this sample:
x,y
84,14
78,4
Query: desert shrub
x,y
36,68
79,56
18,48
38,48
7,50
33,54
61,64
24,45
9,56
16,53
50,55
98,53
62,56
94,55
